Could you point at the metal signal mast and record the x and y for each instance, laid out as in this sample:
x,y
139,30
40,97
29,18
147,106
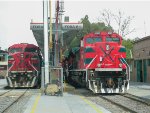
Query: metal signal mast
x,y
58,21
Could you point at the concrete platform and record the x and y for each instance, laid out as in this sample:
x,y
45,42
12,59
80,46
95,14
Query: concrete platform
x,y
140,89
68,103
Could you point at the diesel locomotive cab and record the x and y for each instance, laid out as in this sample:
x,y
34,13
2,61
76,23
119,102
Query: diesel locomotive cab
x,y
100,61
24,65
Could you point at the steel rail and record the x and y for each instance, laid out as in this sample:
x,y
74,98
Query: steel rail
x,y
121,106
5,92
9,106
137,98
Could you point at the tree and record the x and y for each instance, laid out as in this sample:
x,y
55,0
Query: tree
x,y
72,38
86,23
129,46
106,17
119,22
100,26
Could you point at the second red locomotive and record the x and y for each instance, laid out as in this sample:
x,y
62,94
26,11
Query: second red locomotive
x,y
99,63
24,65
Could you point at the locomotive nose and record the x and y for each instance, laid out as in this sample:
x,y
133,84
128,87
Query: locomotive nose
x,y
21,61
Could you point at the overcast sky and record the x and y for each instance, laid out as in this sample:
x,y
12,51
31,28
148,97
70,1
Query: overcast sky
x,y
15,16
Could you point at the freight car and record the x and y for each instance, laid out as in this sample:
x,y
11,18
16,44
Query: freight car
x,y
99,63
24,65
3,63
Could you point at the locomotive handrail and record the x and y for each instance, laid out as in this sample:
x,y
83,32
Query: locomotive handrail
x,y
33,66
127,66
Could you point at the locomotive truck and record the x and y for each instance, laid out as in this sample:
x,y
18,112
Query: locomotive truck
x,y
24,65
99,63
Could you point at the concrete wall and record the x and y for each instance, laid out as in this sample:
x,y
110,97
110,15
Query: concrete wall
x,y
134,78
141,51
148,74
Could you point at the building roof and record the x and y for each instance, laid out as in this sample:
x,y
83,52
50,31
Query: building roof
x,y
38,31
141,39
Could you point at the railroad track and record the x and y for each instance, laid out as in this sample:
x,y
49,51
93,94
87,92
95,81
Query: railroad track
x,y
128,103
9,99
3,93
118,103
137,98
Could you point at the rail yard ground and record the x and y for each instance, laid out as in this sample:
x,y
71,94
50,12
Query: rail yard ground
x,y
137,99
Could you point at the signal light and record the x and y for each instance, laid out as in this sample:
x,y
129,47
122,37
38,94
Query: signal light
x,y
22,55
120,65
98,65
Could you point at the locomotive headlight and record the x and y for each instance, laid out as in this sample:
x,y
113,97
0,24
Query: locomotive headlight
x,y
107,47
120,65
34,59
100,59
98,65
21,55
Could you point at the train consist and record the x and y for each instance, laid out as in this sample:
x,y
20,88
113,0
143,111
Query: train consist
x,y
3,63
24,65
99,64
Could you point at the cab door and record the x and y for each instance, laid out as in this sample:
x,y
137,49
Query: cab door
x,y
139,71
145,70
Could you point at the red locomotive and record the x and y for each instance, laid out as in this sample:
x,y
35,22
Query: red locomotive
x,y
24,65
99,63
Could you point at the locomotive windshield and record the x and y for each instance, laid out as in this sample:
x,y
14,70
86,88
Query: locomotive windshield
x,y
93,40
112,39
13,50
30,50
2,57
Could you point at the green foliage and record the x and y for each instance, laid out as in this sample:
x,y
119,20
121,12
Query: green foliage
x,y
72,38
99,27
129,46
86,24
75,42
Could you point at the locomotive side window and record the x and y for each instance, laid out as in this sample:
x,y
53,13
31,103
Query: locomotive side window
x,y
112,39
2,58
93,40
13,50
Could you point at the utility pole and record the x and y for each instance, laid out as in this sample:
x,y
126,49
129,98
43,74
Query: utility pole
x,y
50,31
46,47
61,11
56,34
50,24
59,6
